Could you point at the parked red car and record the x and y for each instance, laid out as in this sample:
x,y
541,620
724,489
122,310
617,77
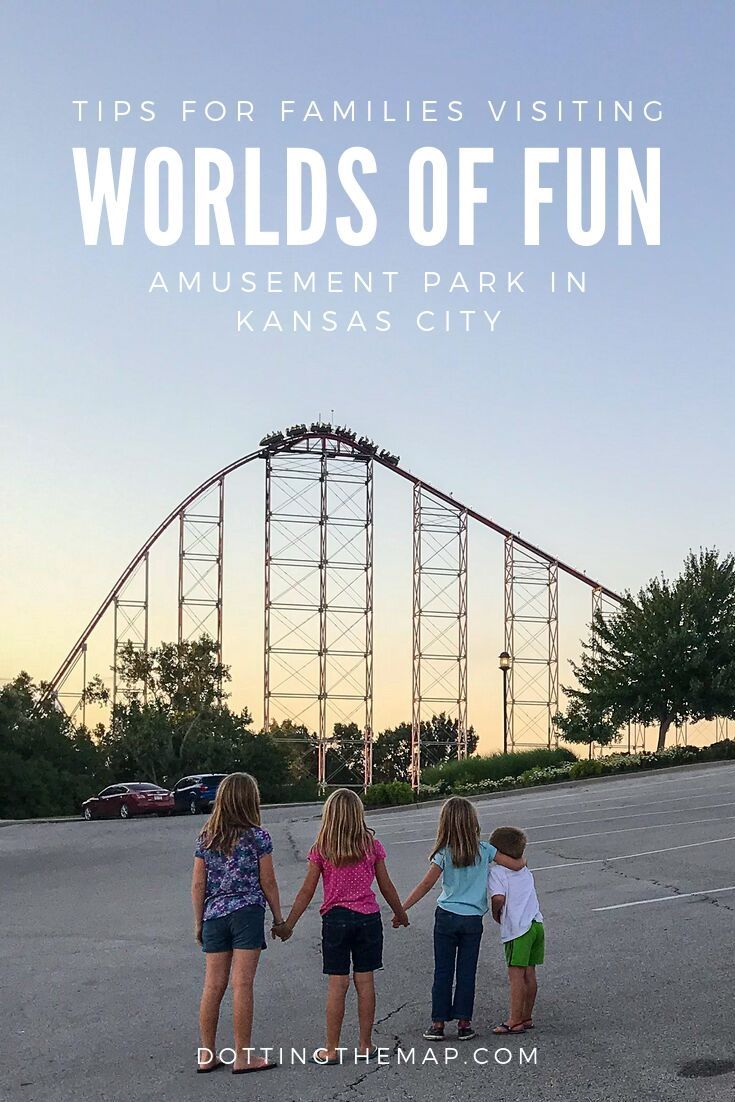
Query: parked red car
x,y
122,801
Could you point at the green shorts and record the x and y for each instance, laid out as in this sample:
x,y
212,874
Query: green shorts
x,y
527,950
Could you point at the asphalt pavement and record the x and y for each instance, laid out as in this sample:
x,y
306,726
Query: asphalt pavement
x,y
100,976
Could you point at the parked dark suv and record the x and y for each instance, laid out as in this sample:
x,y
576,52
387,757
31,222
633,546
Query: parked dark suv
x,y
195,793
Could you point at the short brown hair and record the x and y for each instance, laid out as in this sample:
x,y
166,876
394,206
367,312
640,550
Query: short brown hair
x,y
509,840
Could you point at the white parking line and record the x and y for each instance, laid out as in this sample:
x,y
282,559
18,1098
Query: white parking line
x,y
604,833
632,815
626,830
635,784
580,822
524,805
629,856
664,898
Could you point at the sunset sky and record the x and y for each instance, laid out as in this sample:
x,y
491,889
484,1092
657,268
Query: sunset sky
x,y
598,425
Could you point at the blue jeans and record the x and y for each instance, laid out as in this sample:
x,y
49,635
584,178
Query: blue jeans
x,y
456,949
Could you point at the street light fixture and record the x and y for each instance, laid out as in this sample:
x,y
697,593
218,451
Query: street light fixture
x,y
504,664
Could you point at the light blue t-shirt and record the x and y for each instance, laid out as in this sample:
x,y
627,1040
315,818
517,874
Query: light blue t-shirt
x,y
464,891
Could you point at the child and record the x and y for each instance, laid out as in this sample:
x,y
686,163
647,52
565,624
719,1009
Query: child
x,y
233,877
461,859
348,857
515,907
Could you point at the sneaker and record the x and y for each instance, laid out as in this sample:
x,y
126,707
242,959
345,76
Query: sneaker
x,y
465,1033
434,1033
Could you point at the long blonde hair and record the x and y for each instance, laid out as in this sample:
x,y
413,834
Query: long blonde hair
x,y
236,809
458,831
344,837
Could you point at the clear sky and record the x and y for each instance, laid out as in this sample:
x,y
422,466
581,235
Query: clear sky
x,y
598,426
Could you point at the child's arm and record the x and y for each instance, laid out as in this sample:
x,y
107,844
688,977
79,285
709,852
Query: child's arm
x,y
423,887
269,884
390,895
497,902
198,894
304,896
515,864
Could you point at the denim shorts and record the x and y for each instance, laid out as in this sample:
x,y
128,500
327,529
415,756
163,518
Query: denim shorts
x,y
351,942
241,929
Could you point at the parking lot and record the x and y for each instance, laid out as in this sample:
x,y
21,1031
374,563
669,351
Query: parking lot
x,y
100,976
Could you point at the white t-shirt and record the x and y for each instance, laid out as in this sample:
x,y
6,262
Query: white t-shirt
x,y
521,902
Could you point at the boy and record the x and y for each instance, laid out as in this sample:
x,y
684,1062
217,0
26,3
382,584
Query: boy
x,y
515,907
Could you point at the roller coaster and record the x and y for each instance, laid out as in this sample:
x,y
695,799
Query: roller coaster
x,y
318,597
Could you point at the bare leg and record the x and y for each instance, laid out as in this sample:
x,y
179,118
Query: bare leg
x,y
336,995
517,981
531,988
244,964
365,987
216,975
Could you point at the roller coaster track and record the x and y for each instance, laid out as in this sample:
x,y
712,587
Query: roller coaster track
x,y
434,511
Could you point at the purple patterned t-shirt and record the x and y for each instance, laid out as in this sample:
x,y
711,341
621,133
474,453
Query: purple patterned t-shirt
x,y
234,882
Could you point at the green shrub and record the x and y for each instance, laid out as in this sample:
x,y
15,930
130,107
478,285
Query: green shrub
x,y
718,751
592,767
494,767
388,794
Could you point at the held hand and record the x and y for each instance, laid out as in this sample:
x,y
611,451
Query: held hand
x,y
281,930
400,918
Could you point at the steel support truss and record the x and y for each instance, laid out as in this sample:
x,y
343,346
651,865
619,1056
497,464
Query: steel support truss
x,y
130,625
201,560
439,620
722,728
319,606
76,700
532,641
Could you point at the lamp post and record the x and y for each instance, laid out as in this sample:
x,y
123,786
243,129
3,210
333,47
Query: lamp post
x,y
505,661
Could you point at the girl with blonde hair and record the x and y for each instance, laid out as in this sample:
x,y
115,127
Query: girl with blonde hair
x,y
233,879
348,858
461,859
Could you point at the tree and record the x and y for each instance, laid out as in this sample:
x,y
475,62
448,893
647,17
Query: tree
x,y
47,766
392,749
581,725
184,679
346,755
172,720
165,695
667,656
392,754
298,746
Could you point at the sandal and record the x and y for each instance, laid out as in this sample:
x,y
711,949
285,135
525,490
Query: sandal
x,y
505,1028
204,1069
267,1065
324,1063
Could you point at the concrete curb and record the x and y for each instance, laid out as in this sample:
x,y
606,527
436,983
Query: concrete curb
x,y
483,797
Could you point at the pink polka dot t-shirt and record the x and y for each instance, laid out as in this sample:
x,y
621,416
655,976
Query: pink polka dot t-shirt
x,y
350,886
